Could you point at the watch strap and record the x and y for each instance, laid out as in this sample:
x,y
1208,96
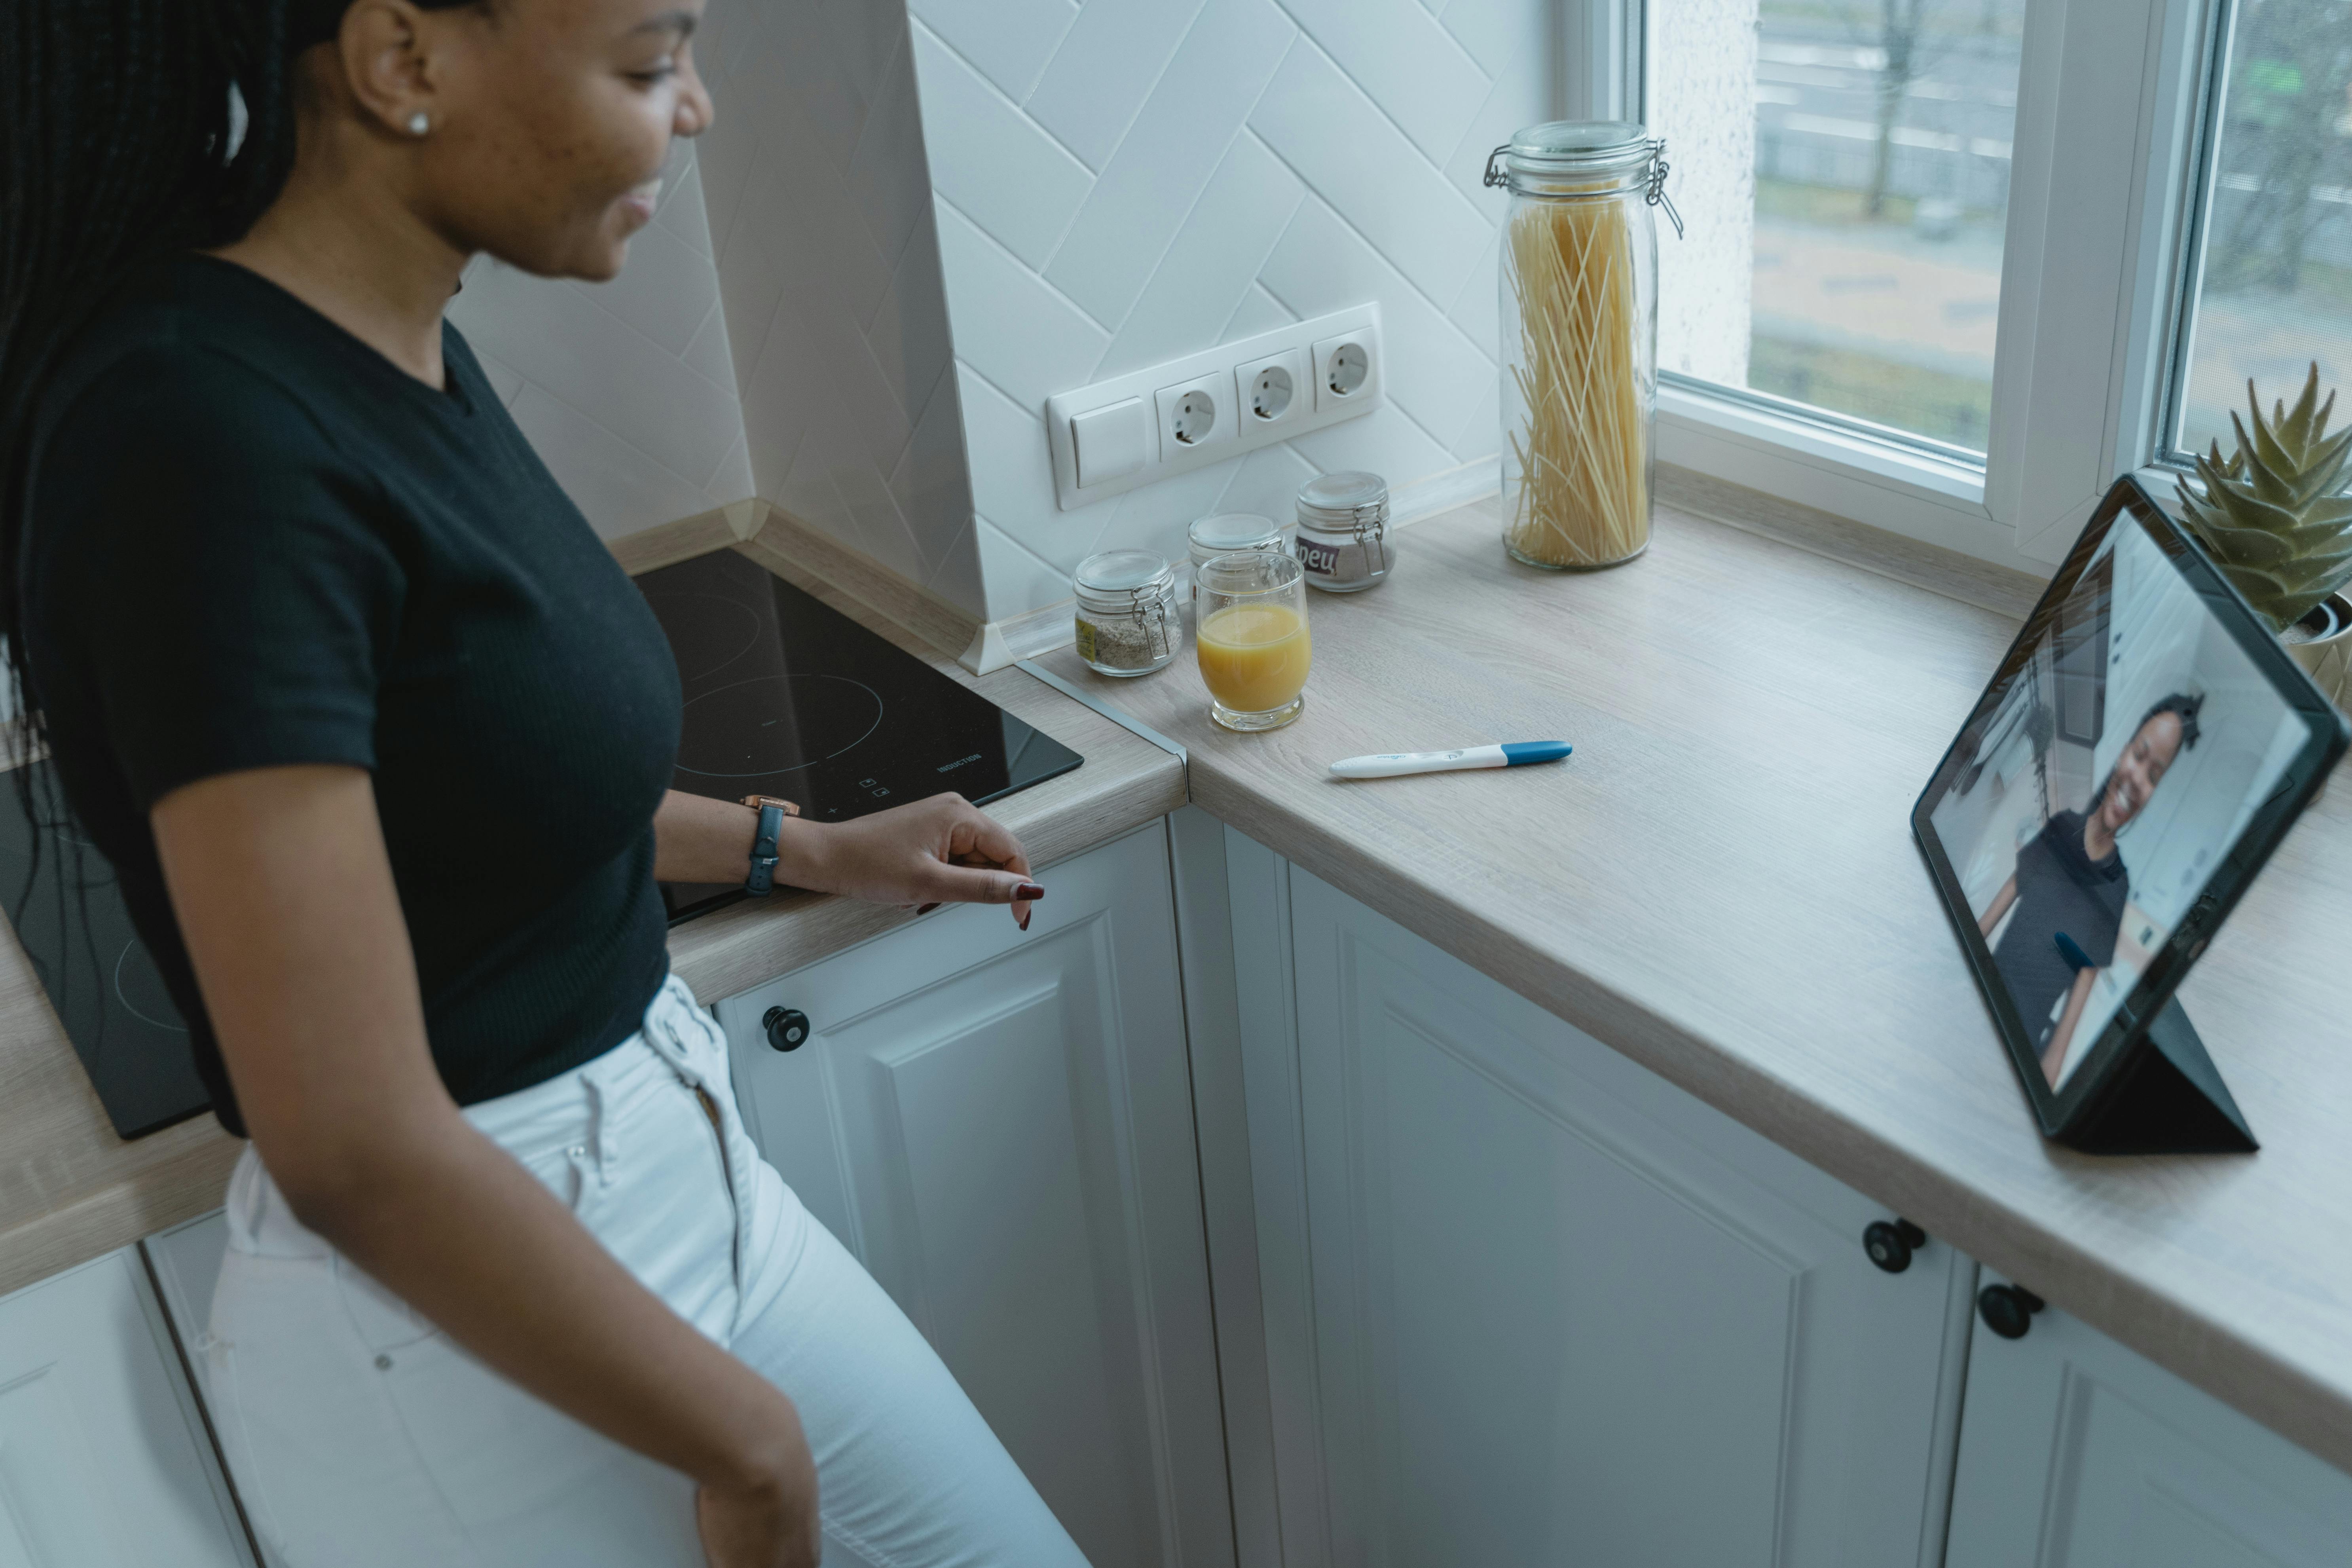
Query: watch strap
x,y
763,879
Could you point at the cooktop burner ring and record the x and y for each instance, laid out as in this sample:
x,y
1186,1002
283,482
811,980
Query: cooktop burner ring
x,y
124,996
873,723
712,638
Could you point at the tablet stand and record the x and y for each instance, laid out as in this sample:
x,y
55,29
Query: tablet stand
x,y
2165,1098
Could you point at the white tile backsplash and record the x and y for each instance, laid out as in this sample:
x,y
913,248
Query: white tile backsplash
x,y
1177,139
1253,162
1004,169
1419,74
906,232
1008,40
1106,66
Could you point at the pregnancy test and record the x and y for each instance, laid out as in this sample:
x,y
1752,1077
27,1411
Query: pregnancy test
x,y
1509,755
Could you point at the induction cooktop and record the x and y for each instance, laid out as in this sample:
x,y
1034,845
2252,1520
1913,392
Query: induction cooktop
x,y
786,696
76,929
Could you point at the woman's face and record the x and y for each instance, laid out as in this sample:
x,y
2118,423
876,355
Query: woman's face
x,y
552,121
2139,770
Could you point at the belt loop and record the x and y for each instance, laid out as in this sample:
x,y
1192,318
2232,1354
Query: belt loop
x,y
602,1139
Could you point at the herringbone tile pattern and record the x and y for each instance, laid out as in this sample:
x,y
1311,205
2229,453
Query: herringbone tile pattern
x,y
1124,181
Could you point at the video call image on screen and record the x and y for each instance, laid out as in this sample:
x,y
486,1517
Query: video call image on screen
x,y
2120,766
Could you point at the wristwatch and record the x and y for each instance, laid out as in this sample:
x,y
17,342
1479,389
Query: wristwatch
x,y
772,812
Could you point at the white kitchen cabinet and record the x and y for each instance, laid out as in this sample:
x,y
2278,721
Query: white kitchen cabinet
x,y
1000,1126
1526,1302
104,1460
2077,1453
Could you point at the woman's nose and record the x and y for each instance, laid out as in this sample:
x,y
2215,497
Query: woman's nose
x,y
695,110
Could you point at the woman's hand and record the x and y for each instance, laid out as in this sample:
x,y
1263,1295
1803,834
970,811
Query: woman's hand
x,y
770,1524
934,851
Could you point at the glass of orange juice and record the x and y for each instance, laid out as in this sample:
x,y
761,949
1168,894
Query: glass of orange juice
x,y
1251,636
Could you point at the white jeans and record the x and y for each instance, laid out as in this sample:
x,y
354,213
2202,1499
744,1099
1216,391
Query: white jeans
x,y
359,1435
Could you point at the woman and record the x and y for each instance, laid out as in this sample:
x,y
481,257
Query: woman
x,y
2069,886
375,735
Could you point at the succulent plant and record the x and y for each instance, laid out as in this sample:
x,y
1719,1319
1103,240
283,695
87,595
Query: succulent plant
x,y
2274,516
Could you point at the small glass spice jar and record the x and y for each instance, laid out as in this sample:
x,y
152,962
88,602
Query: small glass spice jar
x,y
1227,531
1343,526
1127,612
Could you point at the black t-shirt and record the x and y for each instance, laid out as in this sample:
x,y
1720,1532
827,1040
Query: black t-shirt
x,y
253,540
2059,888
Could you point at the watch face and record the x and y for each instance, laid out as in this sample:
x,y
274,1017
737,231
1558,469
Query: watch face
x,y
787,699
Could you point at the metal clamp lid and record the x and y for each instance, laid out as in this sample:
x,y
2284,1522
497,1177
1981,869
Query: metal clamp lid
x,y
1653,188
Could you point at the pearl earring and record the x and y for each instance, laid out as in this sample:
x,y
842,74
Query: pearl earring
x,y
419,123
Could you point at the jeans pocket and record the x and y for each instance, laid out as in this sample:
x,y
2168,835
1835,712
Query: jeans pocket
x,y
526,1482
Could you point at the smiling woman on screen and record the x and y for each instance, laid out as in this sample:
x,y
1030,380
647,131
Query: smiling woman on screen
x,y
375,735
2070,881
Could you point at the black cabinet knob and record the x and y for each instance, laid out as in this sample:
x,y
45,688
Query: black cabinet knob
x,y
1890,1243
788,1028
2008,1310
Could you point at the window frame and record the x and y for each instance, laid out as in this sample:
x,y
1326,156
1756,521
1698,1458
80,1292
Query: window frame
x,y
2095,301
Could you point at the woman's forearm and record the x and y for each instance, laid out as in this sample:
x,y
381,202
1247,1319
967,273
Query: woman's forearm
x,y
2061,1038
453,1225
699,839
283,890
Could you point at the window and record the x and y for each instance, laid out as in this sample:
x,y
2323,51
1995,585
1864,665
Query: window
x,y
1855,183
2273,283
1955,264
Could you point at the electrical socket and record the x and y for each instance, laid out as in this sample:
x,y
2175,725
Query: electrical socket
x,y
1089,444
1348,368
1273,389
1195,414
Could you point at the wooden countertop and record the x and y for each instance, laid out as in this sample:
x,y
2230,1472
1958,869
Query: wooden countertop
x,y
1721,884
69,1189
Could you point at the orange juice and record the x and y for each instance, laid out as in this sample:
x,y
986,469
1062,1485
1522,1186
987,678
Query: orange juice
x,y
1253,658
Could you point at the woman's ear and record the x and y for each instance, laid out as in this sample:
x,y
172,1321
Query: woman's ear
x,y
387,52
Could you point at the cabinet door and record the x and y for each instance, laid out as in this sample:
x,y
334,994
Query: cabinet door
x,y
2077,1453
1529,1303
998,1125
103,1458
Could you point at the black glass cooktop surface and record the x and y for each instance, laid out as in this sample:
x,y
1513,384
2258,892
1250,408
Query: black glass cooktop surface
x,y
786,696
71,920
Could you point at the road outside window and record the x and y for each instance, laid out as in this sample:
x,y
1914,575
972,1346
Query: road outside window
x,y
2274,288
1845,167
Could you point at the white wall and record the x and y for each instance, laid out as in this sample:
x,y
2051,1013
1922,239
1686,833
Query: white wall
x,y
626,389
828,264
1125,180
918,230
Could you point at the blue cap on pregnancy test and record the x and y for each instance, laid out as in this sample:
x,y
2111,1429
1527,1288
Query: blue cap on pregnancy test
x,y
1519,753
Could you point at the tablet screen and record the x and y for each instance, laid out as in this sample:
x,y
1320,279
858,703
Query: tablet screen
x,y
2107,793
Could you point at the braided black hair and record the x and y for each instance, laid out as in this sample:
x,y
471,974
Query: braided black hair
x,y
2181,705
130,130
119,144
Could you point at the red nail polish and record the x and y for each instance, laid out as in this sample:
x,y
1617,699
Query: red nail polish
x,y
1025,923
1028,892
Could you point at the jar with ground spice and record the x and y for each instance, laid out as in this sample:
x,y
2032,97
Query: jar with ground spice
x,y
1126,611
1343,525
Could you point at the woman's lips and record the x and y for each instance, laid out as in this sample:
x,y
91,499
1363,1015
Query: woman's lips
x,y
641,201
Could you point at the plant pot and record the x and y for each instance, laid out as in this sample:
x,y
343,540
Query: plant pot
x,y
2322,643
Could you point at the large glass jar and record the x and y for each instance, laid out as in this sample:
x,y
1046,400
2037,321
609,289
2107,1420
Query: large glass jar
x,y
1580,335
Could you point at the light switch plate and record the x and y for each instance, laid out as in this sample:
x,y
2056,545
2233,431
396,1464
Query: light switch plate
x,y
1070,417
1110,442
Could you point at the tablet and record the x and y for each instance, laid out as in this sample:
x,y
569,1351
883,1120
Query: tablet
x,y
2141,749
